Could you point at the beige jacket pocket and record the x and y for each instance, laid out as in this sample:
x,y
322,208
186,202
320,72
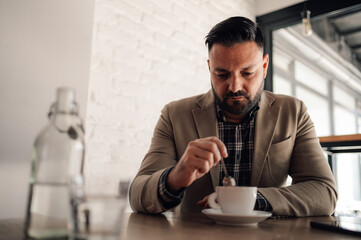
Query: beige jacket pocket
x,y
278,161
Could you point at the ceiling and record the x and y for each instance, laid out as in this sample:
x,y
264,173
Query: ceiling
x,y
343,33
349,26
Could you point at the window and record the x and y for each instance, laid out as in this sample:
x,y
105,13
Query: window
x,y
331,90
333,106
317,107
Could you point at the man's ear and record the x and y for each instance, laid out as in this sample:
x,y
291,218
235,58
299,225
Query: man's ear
x,y
265,65
209,66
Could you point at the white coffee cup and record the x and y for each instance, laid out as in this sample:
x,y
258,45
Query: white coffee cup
x,y
233,200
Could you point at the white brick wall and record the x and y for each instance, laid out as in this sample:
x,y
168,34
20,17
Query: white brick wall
x,y
145,53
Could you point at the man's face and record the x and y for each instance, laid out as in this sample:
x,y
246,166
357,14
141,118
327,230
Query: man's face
x,y
237,75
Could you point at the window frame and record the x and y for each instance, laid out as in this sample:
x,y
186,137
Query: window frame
x,y
292,15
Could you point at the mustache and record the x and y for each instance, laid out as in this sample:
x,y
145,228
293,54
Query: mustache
x,y
239,93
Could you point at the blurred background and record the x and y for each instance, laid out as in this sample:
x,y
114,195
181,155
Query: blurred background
x,y
126,60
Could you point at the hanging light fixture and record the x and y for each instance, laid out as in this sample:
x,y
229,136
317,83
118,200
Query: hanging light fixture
x,y
306,21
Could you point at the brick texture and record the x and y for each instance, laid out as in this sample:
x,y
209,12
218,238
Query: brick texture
x,y
145,53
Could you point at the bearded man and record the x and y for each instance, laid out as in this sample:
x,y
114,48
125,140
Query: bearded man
x,y
262,137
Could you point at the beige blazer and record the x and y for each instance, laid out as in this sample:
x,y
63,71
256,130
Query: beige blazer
x,y
285,144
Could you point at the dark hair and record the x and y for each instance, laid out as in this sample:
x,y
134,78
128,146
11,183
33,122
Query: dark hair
x,y
235,30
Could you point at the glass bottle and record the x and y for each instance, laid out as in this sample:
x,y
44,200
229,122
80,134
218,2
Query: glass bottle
x,y
58,155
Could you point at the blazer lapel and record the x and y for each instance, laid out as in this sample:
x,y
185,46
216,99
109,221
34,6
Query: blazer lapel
x,y
206,123
266,120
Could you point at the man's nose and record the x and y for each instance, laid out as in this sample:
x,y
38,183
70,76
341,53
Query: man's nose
x,y
236,83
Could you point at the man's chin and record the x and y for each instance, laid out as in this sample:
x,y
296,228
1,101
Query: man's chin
x,y
235,110
236,113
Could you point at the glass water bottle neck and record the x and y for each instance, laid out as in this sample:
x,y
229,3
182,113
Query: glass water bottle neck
x,y
65,101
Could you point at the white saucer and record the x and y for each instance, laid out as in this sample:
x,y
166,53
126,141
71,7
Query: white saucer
x,y
236,220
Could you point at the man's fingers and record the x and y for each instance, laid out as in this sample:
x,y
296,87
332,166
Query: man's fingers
x,y
200,156
206,155
202,165
204,202
213,145
219,145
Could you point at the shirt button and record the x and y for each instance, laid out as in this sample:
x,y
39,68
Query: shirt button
x,y
151,208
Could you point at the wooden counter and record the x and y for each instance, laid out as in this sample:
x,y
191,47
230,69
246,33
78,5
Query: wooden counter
x,y
341,138
177,226
341,143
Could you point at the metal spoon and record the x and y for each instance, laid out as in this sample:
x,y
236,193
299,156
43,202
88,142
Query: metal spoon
x,y
228,180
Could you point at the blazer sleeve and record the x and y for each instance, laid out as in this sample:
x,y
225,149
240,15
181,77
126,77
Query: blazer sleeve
x,y
143,194
313,189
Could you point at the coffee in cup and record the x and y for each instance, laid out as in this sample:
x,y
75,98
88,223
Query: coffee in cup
x,y
233,200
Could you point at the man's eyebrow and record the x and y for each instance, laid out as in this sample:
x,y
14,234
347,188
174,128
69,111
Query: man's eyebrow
x,y
218,69
251,66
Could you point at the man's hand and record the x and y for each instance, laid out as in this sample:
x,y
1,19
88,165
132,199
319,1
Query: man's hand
x,y
199,157
204,202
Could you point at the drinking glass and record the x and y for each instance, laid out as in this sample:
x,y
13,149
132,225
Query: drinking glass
x,y
97,216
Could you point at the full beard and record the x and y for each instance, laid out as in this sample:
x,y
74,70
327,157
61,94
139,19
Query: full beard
x,y
237,107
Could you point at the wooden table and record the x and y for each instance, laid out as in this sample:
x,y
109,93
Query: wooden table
x,y
176,226
340,144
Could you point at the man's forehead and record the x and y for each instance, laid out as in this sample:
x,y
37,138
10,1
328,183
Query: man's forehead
x,y
247,44
237,57
238,52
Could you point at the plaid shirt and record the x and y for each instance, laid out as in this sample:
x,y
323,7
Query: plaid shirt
x,y
239,140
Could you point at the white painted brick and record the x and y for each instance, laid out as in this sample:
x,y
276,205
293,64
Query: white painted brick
x,y
182,13
163,4
143,5
145,53
126,10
